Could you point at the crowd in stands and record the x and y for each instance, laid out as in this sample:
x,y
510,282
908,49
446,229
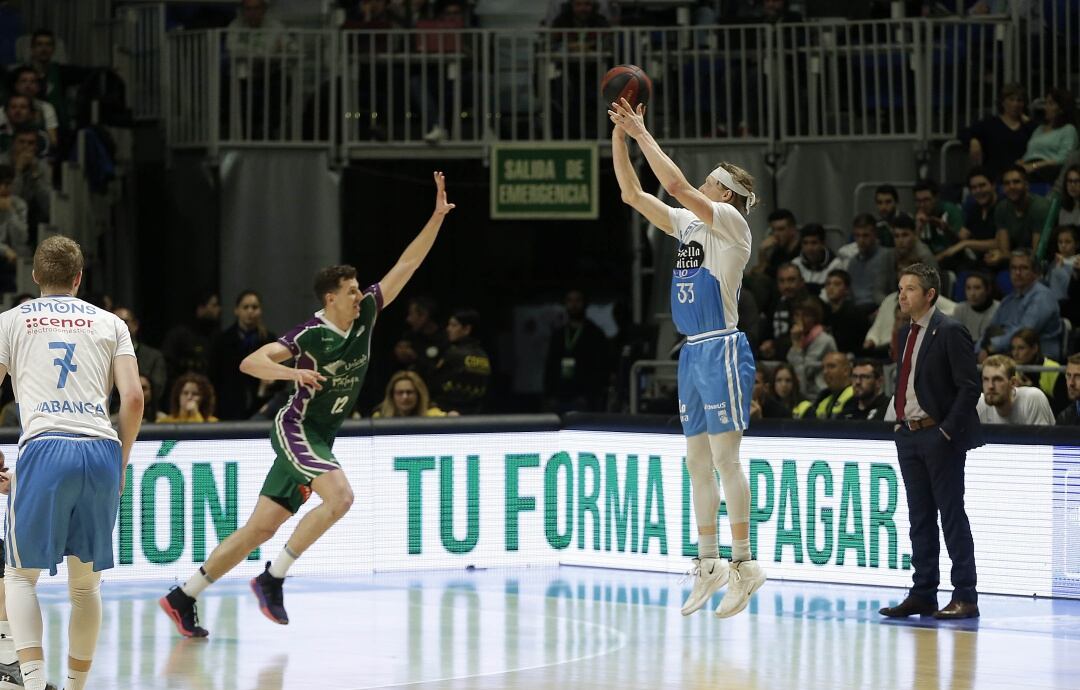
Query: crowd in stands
x,y
1007,251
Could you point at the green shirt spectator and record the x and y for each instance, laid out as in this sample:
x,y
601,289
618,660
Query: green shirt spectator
x,y
1021,215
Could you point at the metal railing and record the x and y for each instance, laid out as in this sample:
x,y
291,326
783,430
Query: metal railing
x,y
139,57
909,79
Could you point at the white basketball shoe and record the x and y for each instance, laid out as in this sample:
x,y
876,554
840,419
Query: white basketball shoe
x,y
710,575
747,577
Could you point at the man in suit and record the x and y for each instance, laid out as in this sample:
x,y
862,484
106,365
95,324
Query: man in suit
x,y
937,388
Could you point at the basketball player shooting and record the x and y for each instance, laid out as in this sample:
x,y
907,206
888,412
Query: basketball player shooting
x,y
716,366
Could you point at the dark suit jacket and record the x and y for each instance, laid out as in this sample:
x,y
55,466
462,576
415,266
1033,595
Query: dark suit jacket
x,y
947,379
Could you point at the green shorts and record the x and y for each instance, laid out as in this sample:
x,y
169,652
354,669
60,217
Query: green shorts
x,y
296,465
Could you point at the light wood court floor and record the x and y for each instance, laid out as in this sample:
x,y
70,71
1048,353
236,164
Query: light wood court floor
x,y
565,628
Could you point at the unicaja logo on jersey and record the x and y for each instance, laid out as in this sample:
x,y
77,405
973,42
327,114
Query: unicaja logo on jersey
x,y
690,258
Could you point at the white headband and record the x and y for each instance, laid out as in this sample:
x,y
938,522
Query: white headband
x,y
722,176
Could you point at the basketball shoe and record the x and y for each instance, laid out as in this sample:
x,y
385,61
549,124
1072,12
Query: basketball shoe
x,y
267,589
710,575
182,610
746,577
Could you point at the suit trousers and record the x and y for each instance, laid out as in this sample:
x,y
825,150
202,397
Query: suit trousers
x,y
933,471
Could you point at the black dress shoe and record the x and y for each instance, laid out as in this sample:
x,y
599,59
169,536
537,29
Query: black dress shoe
x,y
957,610
911,606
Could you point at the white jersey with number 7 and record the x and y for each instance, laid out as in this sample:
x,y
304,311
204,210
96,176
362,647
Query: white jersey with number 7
x,y
59,352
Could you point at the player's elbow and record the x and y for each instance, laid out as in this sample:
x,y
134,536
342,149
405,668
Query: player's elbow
x,y
247,365
132,399
677,188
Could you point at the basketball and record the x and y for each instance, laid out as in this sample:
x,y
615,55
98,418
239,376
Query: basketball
x,y
626,81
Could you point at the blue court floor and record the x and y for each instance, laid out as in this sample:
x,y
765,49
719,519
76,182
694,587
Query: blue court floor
x,y
564,628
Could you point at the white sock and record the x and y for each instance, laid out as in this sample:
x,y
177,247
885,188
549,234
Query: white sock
x,y
197,583
706,546
740,550
7,644
76,680
280,565
33,673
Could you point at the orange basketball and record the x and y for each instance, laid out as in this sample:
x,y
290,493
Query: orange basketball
x,y
626,81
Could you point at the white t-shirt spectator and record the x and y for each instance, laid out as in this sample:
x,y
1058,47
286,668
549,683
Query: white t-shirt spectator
x,y
1030,407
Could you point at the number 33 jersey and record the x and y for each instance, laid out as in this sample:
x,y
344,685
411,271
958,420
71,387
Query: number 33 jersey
x,y
707,277
341,357
59,352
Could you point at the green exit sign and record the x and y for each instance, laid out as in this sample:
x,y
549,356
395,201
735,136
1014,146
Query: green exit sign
x,y
544,181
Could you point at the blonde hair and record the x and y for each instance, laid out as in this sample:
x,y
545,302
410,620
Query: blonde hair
x,y
423,398
1001,362
741,176
57,262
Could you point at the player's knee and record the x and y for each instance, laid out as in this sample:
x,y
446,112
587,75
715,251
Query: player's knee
x,y
84,589
340,504
260,534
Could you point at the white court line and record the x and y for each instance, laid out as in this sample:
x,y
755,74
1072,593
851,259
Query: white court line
x,y
622,643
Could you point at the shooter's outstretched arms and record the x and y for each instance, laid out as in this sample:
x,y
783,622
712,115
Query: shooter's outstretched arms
x,y
656,211
393,282
675,183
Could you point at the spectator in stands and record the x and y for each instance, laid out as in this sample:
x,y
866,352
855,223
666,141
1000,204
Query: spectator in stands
x,y
240,395
872,268
999,141
762,403
979,307
1025,351
937,222
576,117
56,78
786,390
191,401
867,401
1051,143
151,361
33,178
1064,265
151,413
1029,305
1070,197
577,15
909,248
792,290
777,11
1021,215
809,344
12,229
18,115
462,374
844,321
1002,402
830,403
576,372
815,260
254,31
887,201
256,45
1070,416
781,246
556,8
407,396
978,236
421,346
187,345
25,82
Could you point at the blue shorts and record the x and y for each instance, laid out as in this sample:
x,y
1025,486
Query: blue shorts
x,y
64,497
716,380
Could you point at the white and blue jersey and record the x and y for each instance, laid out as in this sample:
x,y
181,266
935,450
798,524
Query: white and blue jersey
x,y
65,490
716,366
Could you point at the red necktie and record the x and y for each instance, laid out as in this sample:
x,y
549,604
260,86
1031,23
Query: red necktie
x,y
905,372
